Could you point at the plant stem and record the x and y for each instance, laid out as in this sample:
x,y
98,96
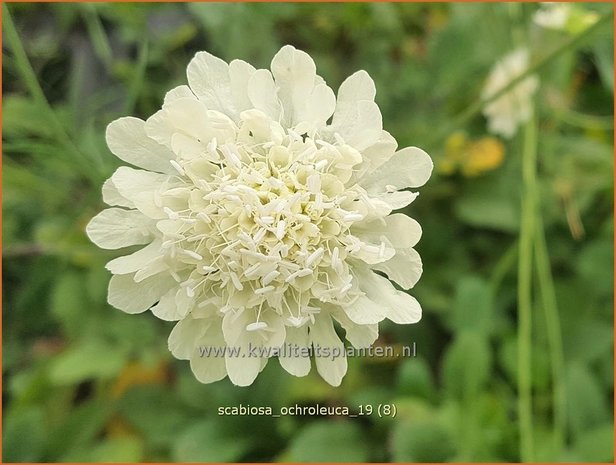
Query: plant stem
x,y
474,109
552,317
525,263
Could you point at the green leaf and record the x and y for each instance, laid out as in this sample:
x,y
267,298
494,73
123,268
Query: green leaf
x,y
473,305
206,441
425,441
69,303
23,436
86,360
122,449
326,441
415,379
467,365
587,405
596,445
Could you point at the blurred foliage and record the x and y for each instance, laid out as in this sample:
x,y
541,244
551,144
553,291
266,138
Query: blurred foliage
x,y
85,382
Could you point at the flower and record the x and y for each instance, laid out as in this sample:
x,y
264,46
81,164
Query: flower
x,y
515,106
552,15
263,221
471,157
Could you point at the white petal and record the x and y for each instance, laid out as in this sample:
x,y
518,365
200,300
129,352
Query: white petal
x,y
377,154
409,167
111,196
296,342
364,311
358,86
131,297
262,94
176,93
323,336
127,140
295,75
141,188
397,199
361,127
135,261
400,307
320,105
240,73
404,268
208,369
173,306
115,228
184,336
358,335
242,370
401,230
208,77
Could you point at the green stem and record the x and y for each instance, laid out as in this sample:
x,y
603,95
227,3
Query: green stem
x,y
503,266
30,80
97,34
525,263
555,343
474,109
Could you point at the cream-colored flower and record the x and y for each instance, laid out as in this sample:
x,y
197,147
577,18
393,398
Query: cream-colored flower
x,y
508,111
552,15
263,221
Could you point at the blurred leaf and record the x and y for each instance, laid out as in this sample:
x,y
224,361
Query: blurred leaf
x,y
467,365
68,302
23,436
127,450
206,441
473,305
421,442
415,379
328,441
596,445
587,406
80,426
86,360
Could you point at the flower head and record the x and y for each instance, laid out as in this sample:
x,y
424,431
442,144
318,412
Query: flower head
x,y
508,111
263,221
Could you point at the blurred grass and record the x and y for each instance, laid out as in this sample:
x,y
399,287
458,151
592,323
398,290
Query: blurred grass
x,y
84,382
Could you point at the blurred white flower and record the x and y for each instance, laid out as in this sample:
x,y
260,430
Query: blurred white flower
x,y
514,107
264,221
552,15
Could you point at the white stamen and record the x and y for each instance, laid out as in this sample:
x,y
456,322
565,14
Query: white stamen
x,y
236,281
177,167
194,255
170,213
280,229
256,326
353,216
314,256
263,290
269,277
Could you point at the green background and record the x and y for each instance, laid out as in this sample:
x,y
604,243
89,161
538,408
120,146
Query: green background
x,y
85,382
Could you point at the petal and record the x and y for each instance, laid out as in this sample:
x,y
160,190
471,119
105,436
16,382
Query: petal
x,y
323,338
131,297
361,127
401,230
262,94
173,306
399,307
141,188
377,154
409,167
295,344
212,367
115,228
178,92
135,261
295,74
358,86
404,268
364,311
111,196
358,335
240,73
127,140
320,105
208,77
184,336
